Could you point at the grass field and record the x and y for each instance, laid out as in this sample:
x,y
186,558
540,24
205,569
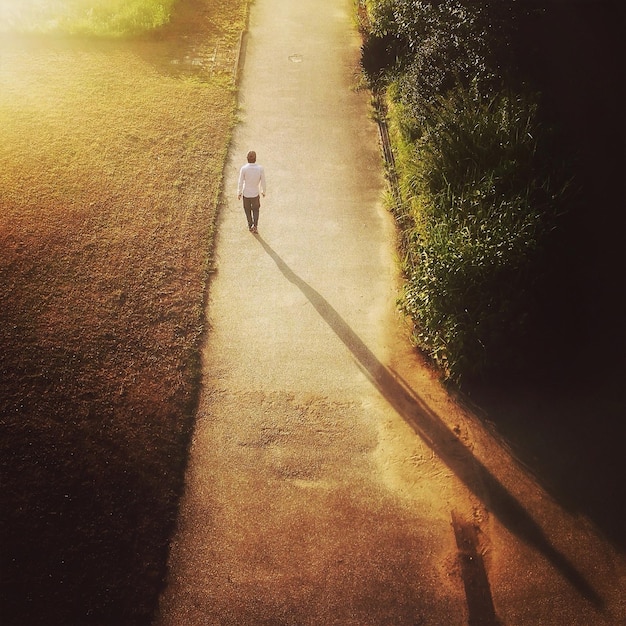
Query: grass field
x,y
111,165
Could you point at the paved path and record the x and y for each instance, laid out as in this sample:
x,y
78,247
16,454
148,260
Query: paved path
x,y
294,512
321,483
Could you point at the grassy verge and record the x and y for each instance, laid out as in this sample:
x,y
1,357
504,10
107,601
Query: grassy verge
x,y
103,18
110,173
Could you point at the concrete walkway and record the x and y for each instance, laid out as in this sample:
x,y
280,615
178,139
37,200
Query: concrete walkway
x,y
326,462
294,511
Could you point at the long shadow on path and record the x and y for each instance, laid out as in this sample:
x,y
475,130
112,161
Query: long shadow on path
x,y
429,427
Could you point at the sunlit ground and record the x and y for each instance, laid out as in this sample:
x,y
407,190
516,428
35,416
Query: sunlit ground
x,y
39,15
86,17
111,156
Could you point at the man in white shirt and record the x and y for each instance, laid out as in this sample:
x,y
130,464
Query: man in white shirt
x,y
251,183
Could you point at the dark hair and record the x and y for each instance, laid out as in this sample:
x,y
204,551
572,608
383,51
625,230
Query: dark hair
x,y
251,156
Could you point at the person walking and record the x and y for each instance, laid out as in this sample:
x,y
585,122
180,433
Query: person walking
x,y
251,184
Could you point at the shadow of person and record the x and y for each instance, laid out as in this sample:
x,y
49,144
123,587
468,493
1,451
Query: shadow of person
x,y
442,441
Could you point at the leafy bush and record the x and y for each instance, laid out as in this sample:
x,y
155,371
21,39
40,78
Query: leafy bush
x,y
481,209
479,201
436,44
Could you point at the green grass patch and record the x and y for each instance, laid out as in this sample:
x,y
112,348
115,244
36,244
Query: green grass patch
x,y
101,18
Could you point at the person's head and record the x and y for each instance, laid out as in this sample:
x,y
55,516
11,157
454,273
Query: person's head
x,y
251,156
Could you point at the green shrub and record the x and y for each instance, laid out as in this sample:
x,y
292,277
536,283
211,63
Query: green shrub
x,y
436,44
481,210
477,197
102,18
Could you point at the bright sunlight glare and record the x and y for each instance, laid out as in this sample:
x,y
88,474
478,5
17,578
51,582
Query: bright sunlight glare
x,y
87,17
32,15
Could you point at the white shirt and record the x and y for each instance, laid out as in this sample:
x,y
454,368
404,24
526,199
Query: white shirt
x,y
251,180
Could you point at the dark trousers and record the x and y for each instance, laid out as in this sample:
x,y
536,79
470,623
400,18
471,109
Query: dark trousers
x,y
251,206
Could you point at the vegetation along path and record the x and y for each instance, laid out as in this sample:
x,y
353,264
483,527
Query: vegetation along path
x,y
331,479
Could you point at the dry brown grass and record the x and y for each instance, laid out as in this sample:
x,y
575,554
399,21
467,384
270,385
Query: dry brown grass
x,y
111,164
